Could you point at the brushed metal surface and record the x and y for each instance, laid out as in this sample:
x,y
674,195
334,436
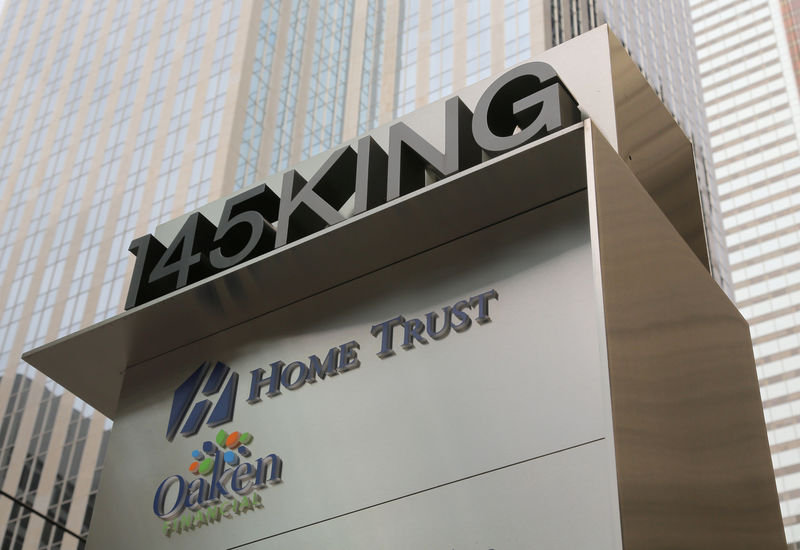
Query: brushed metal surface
x,y
553,495
693,460
656,150
526,385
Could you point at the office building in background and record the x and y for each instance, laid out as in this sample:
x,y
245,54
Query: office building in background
x,y
747,52
117,115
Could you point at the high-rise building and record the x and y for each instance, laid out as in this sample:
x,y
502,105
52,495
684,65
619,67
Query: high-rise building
x,y
748,73
117,115
790,12
97,103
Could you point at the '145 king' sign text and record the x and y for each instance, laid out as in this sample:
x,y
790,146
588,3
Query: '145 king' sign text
x,y
524,104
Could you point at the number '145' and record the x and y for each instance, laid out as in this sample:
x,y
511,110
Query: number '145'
x,y
200,249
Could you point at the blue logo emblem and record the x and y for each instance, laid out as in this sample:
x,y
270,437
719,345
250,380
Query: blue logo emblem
x,y
187,392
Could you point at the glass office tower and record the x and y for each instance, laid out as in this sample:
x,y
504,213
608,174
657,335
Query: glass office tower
x,y
113,118
117,115
748,68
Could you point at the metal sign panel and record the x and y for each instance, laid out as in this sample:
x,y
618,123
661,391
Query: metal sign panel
x,y
500,428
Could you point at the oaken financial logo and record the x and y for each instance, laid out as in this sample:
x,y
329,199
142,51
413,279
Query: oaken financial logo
x,y
214,378
223,485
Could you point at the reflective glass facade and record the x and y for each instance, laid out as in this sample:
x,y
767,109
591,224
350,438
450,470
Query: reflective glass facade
x,y
371,67
110,122
255,113
479,41
324,118
406,72
289,86
516,31
440,70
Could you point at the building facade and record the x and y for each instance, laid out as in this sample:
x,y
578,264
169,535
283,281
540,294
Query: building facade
x,y
748,69
117,115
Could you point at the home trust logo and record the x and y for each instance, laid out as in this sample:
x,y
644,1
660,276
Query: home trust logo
x,y
187,392
224,478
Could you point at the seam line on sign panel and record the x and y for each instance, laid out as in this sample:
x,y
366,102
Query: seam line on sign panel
x,y
401,497
498,222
